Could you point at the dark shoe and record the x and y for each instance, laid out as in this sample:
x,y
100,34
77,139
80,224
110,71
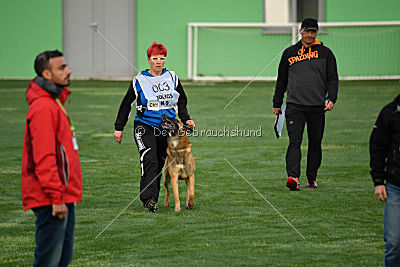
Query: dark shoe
x,y
312,184
293,183
151,204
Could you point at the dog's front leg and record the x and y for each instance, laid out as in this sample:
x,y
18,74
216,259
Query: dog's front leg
x,y
167,179
187,181
190,192
174,184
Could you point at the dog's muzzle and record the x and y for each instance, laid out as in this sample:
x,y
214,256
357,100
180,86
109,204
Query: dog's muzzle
x,y
169,124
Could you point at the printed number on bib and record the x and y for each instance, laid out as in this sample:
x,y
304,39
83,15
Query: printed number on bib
x,y
159,91
160,87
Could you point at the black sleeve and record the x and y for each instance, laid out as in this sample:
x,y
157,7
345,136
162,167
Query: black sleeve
x,y
182,102
125,108
332,79
281,82
379,146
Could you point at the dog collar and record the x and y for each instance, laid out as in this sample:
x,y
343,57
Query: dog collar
x,y
181,150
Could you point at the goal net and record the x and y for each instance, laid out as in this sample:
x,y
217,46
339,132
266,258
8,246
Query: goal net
x,y
238,51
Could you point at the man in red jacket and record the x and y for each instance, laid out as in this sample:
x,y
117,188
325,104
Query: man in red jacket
x,y
51,179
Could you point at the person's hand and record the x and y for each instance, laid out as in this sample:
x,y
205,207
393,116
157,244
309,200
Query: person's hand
x,y
328,105
190,123
118,136
277,111
59,210
380,192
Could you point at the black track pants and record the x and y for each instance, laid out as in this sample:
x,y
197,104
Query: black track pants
x,y
296,118
152,147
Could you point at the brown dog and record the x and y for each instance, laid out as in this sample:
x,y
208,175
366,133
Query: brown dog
x,y
179,164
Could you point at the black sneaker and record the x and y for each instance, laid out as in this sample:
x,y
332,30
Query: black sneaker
x,y
151,204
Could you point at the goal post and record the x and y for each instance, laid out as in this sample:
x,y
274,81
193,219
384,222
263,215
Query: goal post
x,y
252,51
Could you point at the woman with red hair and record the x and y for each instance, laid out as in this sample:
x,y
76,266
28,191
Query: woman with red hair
x,y
155,92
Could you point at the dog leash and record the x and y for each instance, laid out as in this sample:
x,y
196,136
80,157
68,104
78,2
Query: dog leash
x,y
189,129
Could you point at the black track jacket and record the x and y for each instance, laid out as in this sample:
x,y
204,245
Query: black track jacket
x,y
308,75
384,145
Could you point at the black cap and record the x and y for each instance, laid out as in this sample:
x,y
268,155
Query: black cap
x,y
309,24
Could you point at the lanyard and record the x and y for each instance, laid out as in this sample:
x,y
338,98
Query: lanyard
x,y
66,114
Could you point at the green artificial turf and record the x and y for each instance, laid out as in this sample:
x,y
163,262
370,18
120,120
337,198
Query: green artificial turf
x,y
230,224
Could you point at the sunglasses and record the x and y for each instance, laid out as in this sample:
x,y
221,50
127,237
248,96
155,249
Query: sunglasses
x,y
158,58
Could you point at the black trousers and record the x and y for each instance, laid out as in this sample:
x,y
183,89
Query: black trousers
x,y
296,118
152,147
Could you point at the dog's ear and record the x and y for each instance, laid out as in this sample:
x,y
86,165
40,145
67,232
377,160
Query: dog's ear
x,y
177,123
181,128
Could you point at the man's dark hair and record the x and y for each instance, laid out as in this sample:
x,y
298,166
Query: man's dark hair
x,y
42,60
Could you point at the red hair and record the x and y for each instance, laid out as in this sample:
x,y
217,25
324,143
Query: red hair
x,y
156,49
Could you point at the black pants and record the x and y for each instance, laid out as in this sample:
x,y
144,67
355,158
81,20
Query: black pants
x,y
152,146
296,118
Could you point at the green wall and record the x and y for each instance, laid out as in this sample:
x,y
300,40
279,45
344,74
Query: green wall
x,y
170,28
27,28
352,50
30,27
166,22
362,10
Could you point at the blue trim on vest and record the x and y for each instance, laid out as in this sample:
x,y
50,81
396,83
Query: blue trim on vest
x,y
147,73
152,117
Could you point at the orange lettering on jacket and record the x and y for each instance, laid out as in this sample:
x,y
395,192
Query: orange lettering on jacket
x,y
301,57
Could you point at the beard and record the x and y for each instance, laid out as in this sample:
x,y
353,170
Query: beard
x,y
64,83
309,41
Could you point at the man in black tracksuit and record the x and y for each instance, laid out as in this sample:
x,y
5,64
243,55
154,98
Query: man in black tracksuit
x,y
385,166
308,72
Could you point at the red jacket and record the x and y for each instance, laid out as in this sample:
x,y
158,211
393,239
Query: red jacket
x,y
51,170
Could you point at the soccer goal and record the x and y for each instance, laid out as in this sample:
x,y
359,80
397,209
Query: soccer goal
x,y
247,51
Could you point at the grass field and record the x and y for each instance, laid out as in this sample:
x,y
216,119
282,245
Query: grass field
x,y
231,224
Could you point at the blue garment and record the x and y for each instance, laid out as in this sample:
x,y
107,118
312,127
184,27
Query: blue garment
x,y
153,117
391,224
54,237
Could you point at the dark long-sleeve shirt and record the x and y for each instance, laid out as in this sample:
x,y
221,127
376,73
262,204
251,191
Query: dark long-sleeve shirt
x,y
309,75
384,145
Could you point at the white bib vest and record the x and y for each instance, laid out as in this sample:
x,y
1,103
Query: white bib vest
x,y
159,91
